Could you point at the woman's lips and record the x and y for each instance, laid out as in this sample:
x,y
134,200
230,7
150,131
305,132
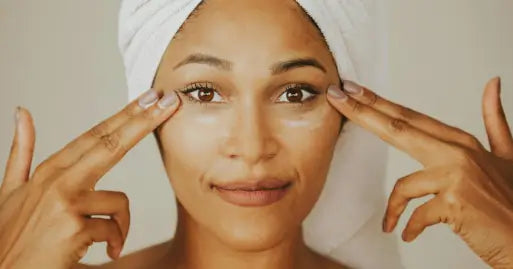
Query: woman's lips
x,y
260,193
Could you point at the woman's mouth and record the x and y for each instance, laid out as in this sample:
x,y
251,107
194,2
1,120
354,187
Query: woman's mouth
x,y
260,193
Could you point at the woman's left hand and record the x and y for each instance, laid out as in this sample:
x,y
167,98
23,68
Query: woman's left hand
x,y
473,187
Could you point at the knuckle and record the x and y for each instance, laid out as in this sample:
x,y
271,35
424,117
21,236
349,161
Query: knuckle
x,y
496,256
357,107
454,203
76,224
398,126
398,197
41,169
73,203
372,99
131,111
400,185
100,130
112,142
64,202
407,114
148,114
124,199
472,141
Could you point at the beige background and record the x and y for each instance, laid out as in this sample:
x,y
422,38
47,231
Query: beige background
x,y
59,59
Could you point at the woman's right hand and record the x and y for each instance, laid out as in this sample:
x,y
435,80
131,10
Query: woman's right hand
x,y
45,219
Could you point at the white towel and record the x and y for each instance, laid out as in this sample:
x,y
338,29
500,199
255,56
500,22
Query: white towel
x,y
346,221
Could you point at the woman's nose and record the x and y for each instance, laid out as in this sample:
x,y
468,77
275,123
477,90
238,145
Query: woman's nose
x,y
251,137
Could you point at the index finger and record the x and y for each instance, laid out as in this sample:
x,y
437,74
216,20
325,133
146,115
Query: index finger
x,y
112,147
397,132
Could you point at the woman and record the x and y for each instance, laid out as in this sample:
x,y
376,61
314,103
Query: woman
x,y
261,143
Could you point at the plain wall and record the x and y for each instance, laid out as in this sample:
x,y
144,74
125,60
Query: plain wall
x,y
59,59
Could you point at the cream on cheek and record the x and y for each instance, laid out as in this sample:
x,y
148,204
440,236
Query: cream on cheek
x,y
211,123
207,119
312,120
204,116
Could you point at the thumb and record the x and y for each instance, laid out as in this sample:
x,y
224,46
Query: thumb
x,y
22,150
497,129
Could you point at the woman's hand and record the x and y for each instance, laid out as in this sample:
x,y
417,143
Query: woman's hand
x,y
46,219
473,187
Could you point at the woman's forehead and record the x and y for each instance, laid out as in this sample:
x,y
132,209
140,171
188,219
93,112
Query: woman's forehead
x,y
245,28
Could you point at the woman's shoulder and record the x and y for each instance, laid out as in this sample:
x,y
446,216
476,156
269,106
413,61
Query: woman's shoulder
x,y
139,259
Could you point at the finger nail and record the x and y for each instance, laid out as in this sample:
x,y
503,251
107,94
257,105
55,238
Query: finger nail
x,y
168,100
148,99
336,93
352,87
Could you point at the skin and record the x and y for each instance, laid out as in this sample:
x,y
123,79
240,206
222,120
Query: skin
x,y
472,186
48,209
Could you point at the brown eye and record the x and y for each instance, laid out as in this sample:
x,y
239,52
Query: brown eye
x,y
297,93
205,95
294,95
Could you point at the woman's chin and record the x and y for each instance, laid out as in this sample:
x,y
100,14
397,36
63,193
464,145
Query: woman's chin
x,y
247,235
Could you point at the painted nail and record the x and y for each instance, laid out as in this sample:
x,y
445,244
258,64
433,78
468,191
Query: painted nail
x,y
148,99
352,87
168,100
335,92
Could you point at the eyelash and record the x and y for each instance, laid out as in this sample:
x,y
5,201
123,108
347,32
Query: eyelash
x,y
208,85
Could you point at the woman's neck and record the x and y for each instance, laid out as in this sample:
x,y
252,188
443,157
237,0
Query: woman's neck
x,y
194,247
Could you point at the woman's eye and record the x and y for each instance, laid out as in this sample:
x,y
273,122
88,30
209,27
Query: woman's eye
x,y
204,95
296,95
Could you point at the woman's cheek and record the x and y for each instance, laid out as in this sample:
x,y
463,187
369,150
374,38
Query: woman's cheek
x,y
190,144
309,126
309,138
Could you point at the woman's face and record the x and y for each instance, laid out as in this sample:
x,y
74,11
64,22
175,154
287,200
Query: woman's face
x,y
252,76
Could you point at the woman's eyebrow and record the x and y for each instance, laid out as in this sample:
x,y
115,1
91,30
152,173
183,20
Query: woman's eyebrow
x,y
227,65
296,63
201,58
